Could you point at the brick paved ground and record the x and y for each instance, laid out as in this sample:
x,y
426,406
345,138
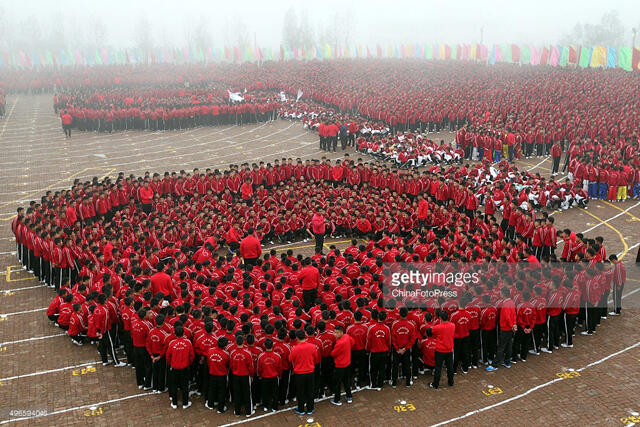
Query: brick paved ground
x,y
48,373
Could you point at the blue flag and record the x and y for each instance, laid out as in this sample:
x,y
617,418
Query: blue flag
x,y
612,57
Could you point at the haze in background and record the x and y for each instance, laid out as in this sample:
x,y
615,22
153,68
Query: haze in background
x,y
37,24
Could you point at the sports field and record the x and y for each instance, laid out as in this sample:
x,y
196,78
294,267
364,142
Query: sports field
x,y
46,380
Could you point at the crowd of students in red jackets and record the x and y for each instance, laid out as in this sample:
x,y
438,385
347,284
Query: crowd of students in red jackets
x,y
137,264
153,108
513,112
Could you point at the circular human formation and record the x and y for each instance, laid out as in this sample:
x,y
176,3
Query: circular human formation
x,y
170,269
453,264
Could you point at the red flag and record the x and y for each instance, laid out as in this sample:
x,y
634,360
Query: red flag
x,y
515,53
126,54
544,56
227,54
379,51
447,51
483,52
573,55
635,59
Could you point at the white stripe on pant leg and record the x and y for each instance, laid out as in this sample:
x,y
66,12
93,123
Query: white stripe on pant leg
x,y
566,330
533,339
113,350
369,369
548,332
250,398
586,317
481,347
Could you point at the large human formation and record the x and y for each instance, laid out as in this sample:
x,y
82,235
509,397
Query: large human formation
x,y
502,118
137,263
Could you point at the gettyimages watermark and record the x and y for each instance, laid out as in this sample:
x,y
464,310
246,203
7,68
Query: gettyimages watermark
x,y
423,285
419,282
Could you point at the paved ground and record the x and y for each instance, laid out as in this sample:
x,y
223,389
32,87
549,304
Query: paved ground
x,y
42,371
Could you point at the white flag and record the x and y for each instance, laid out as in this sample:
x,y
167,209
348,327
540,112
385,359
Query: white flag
x,y
235,96
299,95
283,97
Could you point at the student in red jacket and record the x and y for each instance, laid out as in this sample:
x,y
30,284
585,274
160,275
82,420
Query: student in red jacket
x,y
443,333
488,317
341,354
218,362
403,334
303,356
66,310
250,248
180,354
157,347
507,326
309,278
242,369
77,329
232,237
162,282
378,344
67,120
246,192
140,328
556,153
103,325
358,331
269,370
146,198
526,320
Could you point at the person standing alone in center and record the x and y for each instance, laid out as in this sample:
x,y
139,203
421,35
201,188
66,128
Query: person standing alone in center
x,y
443,333
318,229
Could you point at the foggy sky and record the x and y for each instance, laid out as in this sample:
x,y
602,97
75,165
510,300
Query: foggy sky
x,y
375,21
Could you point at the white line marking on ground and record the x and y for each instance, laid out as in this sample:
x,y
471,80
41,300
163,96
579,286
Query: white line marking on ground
x,y
23,312
610,219
49,371
531,390
541,162
32,339
6,291
62,411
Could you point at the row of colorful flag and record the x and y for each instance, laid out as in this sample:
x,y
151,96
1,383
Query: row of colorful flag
x,y
625,57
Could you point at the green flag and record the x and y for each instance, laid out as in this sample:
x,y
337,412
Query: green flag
x,y
624,58
506,52
428,51
526,55
585,56
564,57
